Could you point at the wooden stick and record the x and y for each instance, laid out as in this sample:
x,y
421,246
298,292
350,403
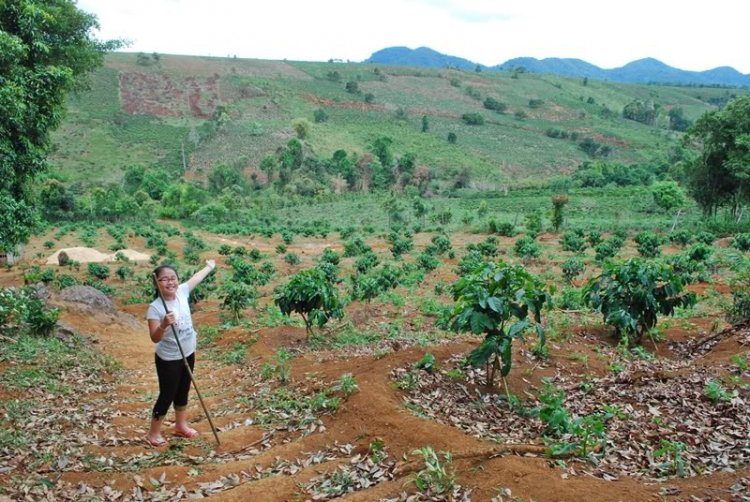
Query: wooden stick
x,y
187,366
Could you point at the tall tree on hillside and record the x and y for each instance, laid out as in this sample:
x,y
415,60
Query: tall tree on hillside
x,y
46,50
720,175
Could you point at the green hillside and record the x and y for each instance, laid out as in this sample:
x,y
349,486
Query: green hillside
x,y
149,113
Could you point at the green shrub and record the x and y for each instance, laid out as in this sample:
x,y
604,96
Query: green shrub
x,y
681,238
98,270
473,118
573,242
573,268
527,248
741,242
292,259
594,238
365,262
632,295
649,244
501,228
310,294
236,297
706,238
487,299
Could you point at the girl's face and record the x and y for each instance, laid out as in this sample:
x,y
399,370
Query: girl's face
x,y
168,282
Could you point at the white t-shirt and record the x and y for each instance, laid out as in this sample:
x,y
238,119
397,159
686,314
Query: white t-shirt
x,y
167,348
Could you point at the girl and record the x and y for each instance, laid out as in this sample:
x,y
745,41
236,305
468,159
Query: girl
x,y
174,381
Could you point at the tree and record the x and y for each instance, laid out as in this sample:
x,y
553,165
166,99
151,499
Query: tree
x,y
425,123
478,69
668,195
381,148
46,50
452,138
487,300
223,177
720,175
585,81
301,128
558,210
311,295
237,297
678,121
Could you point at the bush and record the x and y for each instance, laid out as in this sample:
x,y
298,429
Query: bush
x,y
292,259
699,252
427,262
98,270
632,295
366,262
527,248
281,248
22,312
573,268
594,238
356,247
452,138
442,244
330,256
473,118
487,300
605,251
706,238
681,238
504,228
533,224
741,242
124,272
236,297
573,242
320,116
649,244
311,295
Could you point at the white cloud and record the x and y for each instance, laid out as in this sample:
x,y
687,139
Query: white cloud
x,y
693,35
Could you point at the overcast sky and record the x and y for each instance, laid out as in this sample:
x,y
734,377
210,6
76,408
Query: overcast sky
x,y
687,34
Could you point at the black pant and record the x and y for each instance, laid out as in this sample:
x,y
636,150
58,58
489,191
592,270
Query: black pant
x,y
174,384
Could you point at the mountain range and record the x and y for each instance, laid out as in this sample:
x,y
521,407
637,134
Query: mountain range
x,y
647,70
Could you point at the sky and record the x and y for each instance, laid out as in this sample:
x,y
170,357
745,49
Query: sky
x,y
688,34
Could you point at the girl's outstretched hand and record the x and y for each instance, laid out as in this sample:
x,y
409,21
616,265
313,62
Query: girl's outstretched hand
x,y
211,264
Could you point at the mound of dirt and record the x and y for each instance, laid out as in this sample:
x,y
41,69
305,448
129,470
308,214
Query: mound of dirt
x,y
89,255
87,296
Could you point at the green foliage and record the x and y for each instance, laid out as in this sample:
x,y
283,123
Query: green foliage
x,y
320,116
442,244
98,270
558,210
716,392
311,295
706,238
292,259
366,262
347,385
573,242
452,138
552,413
427,363
124,272
649,244
631,296
717,177
676,462
22,312
503,228
572,268
681,237
527,248
668,195
533,224
487,300
741,241
47,51
641,111
473,118
356,247
237,297
493,104
437,478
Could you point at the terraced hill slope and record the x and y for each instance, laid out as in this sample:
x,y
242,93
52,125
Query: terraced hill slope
x,y
197,112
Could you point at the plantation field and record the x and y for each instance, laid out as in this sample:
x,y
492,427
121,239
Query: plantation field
x,y
367,407
152,113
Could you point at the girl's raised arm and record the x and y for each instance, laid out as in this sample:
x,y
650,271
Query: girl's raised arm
x,y
201,274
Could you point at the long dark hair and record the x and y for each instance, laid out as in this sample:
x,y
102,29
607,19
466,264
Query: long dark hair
x,y
157,272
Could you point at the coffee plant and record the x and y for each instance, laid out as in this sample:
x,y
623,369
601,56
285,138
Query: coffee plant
x,y
497,300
